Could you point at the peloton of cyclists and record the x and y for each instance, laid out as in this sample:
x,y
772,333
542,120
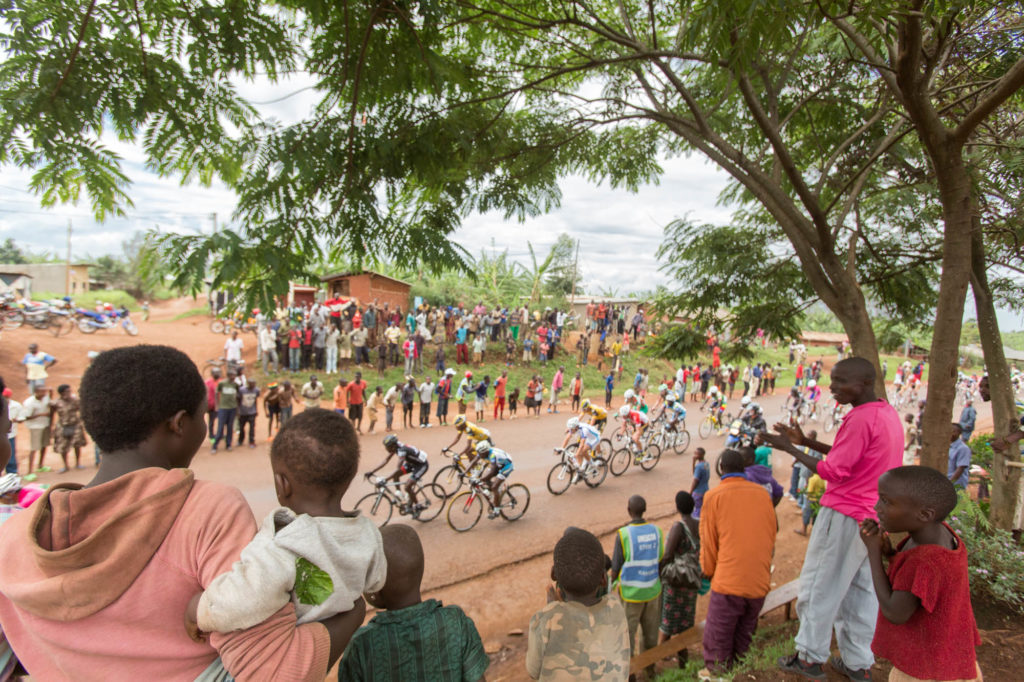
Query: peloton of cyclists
x,y
412,461
499,466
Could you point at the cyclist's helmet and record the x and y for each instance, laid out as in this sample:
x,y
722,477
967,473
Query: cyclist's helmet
x,y
662,389
670,397
629,394
713,390
460,422
624,411
585,405
755,408
745,401
572,423
812,383
391,441
483,448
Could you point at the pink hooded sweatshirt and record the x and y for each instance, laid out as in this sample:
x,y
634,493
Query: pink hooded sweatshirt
x,y
95,582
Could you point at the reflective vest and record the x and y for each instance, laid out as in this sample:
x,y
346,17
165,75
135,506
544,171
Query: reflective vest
x,y
642,548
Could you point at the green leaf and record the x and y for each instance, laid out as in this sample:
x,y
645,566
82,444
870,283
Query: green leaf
x,y
312,584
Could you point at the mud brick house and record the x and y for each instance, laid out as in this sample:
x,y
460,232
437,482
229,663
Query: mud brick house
x,y
367,286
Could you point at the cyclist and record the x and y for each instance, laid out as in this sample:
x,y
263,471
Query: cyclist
x,y
598,415
812,395
590,436
474,435
638,419
674,411
498,468
754,418
412,461
717,403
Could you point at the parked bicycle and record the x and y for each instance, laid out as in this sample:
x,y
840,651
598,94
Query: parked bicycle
x,y
567,472
380,504
467,507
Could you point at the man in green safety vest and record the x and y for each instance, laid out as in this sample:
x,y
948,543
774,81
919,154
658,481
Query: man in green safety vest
x,y
638,551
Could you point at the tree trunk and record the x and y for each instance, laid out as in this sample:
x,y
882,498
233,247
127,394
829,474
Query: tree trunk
x,y
960,218
1005,480
857,324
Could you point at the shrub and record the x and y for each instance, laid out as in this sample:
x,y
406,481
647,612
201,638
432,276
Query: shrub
x,y
995,561
981,450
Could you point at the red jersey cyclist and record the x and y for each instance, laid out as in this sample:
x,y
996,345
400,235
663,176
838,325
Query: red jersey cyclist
x,y
638,420
412,461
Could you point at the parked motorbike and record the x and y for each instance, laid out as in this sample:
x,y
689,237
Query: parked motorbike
x,y
90,321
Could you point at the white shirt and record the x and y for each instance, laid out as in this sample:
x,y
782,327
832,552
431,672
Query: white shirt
x,y
14,413
268,341
36,413
233,349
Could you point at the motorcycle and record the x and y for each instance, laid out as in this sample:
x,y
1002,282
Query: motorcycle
x,y
89,321
740,434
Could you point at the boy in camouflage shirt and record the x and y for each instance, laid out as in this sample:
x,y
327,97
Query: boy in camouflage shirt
x,y
578,635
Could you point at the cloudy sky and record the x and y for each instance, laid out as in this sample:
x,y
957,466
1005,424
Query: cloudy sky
x,y
619,232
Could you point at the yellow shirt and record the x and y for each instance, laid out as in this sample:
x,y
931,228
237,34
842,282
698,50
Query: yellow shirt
x,y
598,413
476,434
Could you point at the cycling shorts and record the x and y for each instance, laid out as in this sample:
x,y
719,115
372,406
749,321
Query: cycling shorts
x,y
414,469
504,468
599,424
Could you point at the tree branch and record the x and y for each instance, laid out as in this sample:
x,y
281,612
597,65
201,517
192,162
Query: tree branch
x,y
74,51
1010,83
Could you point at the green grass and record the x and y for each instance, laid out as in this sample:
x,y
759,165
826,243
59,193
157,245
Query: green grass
x,y
115,297
771,643
194,312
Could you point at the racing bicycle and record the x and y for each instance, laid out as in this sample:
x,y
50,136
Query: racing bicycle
x,y
451,476
467,507
379,505
567,472
714,423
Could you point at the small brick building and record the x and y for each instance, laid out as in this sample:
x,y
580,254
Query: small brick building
x,y
367,286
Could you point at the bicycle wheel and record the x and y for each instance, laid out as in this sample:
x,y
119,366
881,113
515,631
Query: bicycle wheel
x,y
217,326
464,511
619,440
130,327
377,507
829,422
449,480
515,502
619,462
604,449
559,478
682,442
85,326
706,426
596,476
650,458
433,496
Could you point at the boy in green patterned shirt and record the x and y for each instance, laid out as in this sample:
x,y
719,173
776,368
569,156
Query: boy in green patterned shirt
x,y
579,636
412,640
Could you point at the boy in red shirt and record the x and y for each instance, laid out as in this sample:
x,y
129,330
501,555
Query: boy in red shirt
x,y
354,392
925,623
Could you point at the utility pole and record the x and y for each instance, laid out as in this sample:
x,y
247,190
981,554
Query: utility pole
x,y
67,264
575,265
213,219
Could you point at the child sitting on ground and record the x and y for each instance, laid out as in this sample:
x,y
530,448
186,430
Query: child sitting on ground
x,y
413,639
925,623
579,635
308,551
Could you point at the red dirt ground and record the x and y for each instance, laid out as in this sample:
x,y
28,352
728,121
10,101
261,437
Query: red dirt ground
x,y
498,572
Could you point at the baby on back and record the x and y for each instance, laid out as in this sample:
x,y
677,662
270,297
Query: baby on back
x,y
308,551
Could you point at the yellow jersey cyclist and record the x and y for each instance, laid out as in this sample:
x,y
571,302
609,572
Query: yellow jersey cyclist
x,y
412,461
474,435
499,466
589,435
638,420
717,400
598,415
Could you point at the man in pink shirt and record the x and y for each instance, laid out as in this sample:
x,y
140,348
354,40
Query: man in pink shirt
x,y
835,582
556,387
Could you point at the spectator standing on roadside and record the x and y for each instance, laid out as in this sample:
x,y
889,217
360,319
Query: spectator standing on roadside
x,y
701,478
355,391
391,398
211,402
835,582
227,408
294,348
331,350
959,459
638,552
319,346
408,397
679,604
233,349
444,394
248,407
967,418
36,363
14,416
359,346
311,392
737,542
426,391
578,635
37,413
69,433
286,401
373,404
268,348
340,396
557,382
575,390
499,395
609,387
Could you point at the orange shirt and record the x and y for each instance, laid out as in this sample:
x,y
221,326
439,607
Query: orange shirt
x,y
737,538
339,397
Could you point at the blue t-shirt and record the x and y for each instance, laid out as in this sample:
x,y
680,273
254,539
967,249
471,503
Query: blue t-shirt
x,y
702,474
609,382
959,456
460,335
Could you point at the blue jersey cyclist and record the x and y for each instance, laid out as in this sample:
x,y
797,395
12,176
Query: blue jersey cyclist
x,y
589,436
499,466
675,413
412,461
